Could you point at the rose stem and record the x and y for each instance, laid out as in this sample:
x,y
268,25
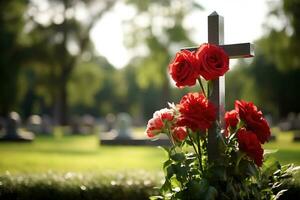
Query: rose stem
x,y
199,151
195,149
202,88
170,136
207,88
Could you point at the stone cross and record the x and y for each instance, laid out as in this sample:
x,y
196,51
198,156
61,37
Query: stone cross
x,y
242,50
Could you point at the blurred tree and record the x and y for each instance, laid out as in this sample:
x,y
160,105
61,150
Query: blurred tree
x,y
262,82
155,32
60,30
91,87
285,51
240,85
85,75
12,51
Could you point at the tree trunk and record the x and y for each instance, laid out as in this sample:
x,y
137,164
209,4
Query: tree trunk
x,y
61,102
166,91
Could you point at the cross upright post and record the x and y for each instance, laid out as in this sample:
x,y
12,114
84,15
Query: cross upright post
x,y
217,96
216,36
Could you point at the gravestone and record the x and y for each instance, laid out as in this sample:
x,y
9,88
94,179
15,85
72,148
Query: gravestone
x,y
242,50
34,124
270,122
12,131
47,125
76,127
88,124
291,123
297,122
2,124
123,135
123,126
296,128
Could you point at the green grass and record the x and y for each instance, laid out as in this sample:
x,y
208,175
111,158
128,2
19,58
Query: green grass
x,y
287,150
78,154
84,154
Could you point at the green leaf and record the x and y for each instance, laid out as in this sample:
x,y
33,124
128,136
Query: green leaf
x,y
189,142
178,157
166,149
167,164
220,173
170,171
166,187
270,166
176,185
280,193
156,197
211,193
268,152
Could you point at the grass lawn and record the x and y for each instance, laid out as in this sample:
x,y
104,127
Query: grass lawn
x,y
83,154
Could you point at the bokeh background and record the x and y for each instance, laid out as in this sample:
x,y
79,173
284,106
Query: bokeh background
x,y
72,66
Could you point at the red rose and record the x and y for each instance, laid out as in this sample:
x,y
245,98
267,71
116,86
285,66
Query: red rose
x,y
154,127
179,133
231,120
196,112
214,62
183,68
253,119
167,116
157,123
249,144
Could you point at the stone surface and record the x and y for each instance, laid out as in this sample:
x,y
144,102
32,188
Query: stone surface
x,y
123,126
34,124
47,125
12,131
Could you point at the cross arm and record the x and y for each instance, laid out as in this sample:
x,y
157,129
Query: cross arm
x,y
241,50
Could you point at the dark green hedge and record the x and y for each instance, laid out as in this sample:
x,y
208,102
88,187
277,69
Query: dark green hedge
x,y
73,186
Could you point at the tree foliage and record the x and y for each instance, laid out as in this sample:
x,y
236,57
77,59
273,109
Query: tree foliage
x,y
60,41
12,49
284,51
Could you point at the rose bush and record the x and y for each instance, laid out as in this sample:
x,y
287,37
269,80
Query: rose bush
x,y
240,171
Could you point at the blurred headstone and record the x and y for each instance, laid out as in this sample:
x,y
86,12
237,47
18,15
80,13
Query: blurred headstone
x,y
291,118
296,136
88,124
123,126
296,128
2,124
76,127
297,122
12,131
47,125
123,135
284,126
289,123
34,124
270,122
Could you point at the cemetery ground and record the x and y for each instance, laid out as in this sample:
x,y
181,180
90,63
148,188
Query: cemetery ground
x,y
77,167
82,153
